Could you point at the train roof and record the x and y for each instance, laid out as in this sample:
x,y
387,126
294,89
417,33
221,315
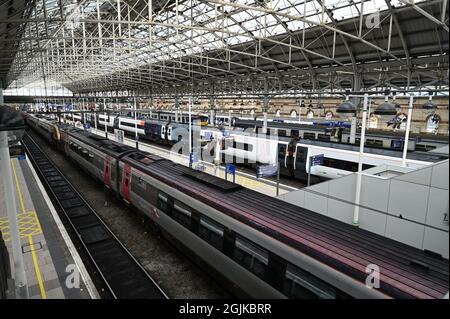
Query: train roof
x,y
406,272
112,148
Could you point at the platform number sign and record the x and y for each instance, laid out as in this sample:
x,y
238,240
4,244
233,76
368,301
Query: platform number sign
x,y
87,127
266,171
118,135
317,160
230,169
314,160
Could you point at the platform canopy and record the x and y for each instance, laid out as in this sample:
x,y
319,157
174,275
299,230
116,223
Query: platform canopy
x,y
231,46
13,122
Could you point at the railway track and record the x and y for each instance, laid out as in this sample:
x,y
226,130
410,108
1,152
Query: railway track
x,y
121,272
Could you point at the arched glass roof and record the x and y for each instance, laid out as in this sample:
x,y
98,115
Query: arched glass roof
x,y
218,45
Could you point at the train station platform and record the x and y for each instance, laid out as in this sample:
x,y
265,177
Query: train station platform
x,y
49,254
260,185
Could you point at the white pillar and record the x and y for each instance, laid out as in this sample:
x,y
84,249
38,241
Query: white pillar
x,y
190,126
300,111
95,120
265,110
360,163
212,117
6,174
217,151
136,137
83,115
408,128
353,130
106,118
264,128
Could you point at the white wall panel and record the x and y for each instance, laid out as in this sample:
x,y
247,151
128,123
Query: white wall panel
x,y
409,200
407,232
372,221
436,241
439,176
421,176
437,207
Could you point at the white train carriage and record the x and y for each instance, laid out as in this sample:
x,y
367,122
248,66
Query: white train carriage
x,y
294,157
130,125
245,148
106,119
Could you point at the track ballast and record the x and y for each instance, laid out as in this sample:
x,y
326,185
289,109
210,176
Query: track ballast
x,y
121,272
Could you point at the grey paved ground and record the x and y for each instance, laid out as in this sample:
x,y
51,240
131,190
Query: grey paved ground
x,y
44,250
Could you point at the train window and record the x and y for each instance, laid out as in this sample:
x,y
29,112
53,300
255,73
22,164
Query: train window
x,y
309,136
323,137
211,231
163,202
282,151
344,165
373,142
182,214
301,154
251,256
282,133
133,125
299,284
243,146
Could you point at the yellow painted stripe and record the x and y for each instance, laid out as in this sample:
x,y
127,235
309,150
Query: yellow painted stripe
x,y
30,237
36,268
19,191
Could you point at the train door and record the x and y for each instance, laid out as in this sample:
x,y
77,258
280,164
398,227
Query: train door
x,y
116,122
163,132
169,133
166,132
126,183
107,171
301,155
300,163
290,157
282,152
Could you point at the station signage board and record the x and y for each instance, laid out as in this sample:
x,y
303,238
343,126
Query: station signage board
x,y
266,170
118,136
317,160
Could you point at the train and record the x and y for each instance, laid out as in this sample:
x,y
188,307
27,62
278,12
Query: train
x,y
320,130
294,156
255,245
245,147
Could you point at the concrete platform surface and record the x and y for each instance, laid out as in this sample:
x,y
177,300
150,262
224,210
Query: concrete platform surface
x,y
49,256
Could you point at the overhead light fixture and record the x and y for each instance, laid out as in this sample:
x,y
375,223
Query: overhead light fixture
x,y
429,105
386,109
346,108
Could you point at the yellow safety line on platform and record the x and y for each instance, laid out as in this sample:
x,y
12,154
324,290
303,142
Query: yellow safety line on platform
x,y
36,267
28,225
30,237
19,191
